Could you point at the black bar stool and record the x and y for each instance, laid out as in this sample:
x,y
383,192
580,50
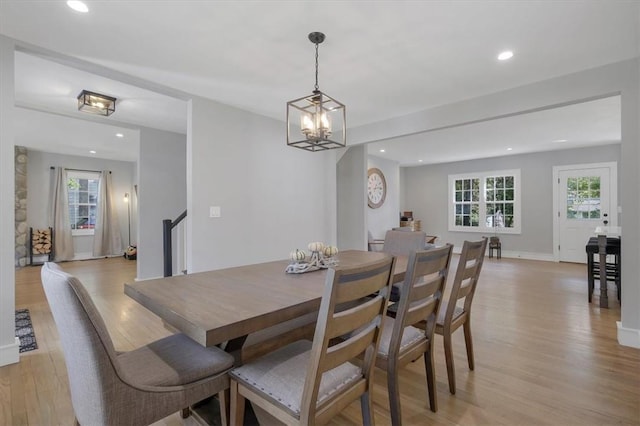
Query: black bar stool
x,y
612,268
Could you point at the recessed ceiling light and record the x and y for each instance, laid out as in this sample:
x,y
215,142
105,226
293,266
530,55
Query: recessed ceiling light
x,y
92,152
560,140
419,161
509,149
507,54
78,6
382,150
119,135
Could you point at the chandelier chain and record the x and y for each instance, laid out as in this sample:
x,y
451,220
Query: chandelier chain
x,y
316,86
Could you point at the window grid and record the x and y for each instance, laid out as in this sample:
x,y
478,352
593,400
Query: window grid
x,y
499,201
583,198
467,202
83,201
485,202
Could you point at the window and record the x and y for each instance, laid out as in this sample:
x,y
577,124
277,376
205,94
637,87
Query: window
x,y
485,202
583,197
83,201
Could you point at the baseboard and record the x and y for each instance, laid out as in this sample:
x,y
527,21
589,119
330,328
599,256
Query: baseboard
x,y
628,336
547,257
10,354
90,256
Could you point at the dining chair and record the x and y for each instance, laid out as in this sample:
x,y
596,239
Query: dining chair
x,y
137,387
401,342
452,315
308,383
402,243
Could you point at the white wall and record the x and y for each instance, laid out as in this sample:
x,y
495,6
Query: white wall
x,y
387,216
162,194
39,184
619,78
9,344
425,189
273,198
352,199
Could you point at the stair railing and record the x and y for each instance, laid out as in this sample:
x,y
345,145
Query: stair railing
x,y
167,227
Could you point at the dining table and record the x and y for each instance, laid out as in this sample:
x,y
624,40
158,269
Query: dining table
x,y
222,307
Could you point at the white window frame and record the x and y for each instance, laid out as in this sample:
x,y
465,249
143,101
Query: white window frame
x,y
83,175
517,214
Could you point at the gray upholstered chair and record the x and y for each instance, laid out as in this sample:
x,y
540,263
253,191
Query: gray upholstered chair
x,y
452,315
308,383
402,243
401,342
129,388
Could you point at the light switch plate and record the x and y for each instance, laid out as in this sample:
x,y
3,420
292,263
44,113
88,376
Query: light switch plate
x,y
214,211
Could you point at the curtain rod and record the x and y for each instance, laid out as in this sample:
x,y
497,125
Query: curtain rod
x,y
80,170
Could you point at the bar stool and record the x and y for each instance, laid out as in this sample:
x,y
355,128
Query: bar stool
x,y
612,265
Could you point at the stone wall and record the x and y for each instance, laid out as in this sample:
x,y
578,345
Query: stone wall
x,y
22,229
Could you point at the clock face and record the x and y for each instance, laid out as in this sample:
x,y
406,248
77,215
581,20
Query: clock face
x,y
376,188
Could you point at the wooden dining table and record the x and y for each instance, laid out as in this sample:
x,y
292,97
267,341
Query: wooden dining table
x,y
224,306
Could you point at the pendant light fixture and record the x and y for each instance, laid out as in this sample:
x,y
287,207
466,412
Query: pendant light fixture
x,y
316,122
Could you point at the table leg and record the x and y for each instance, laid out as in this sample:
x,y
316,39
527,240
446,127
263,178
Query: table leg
x,y
602,250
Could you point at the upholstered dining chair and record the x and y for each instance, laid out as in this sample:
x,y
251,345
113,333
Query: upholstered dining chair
x,y
307,383
402,243
401,342
128,388
452,315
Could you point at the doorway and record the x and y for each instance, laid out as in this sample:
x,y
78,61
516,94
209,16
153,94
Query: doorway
x,y
585,196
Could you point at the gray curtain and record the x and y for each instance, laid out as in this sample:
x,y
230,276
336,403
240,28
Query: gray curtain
x,y
59,217
106,239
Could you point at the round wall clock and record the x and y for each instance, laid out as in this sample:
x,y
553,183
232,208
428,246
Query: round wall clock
x,y
376,188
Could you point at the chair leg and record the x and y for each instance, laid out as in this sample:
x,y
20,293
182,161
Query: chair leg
x,y
237,405
469,343
448,355
394,395
367,409
185,412
431,378
223,399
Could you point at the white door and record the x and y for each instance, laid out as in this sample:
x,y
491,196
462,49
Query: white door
x,y
584,202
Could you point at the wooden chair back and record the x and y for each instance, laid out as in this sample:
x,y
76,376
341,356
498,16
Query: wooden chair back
x,y
466,278
354,304
422,292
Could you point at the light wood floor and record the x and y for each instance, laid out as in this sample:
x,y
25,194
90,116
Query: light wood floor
x,y
544,356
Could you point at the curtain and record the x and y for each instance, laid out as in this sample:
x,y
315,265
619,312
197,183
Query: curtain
x,y
106,239
59,217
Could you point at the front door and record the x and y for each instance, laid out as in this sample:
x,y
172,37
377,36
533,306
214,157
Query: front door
x,y
584,202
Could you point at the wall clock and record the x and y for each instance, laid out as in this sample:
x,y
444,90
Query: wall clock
x,y
376,188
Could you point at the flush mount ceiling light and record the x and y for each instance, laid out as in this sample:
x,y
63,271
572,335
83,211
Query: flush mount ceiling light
x,y
78,6
507,54
95,103
316,122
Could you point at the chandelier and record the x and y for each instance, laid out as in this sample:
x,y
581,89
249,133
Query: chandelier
x,y
316,122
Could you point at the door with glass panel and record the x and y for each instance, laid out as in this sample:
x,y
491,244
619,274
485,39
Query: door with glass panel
x,y
584,203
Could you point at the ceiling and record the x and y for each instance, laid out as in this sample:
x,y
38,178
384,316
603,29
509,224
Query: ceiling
x,y
382,59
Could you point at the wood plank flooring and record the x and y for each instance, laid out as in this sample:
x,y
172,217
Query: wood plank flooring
x,y
544,356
